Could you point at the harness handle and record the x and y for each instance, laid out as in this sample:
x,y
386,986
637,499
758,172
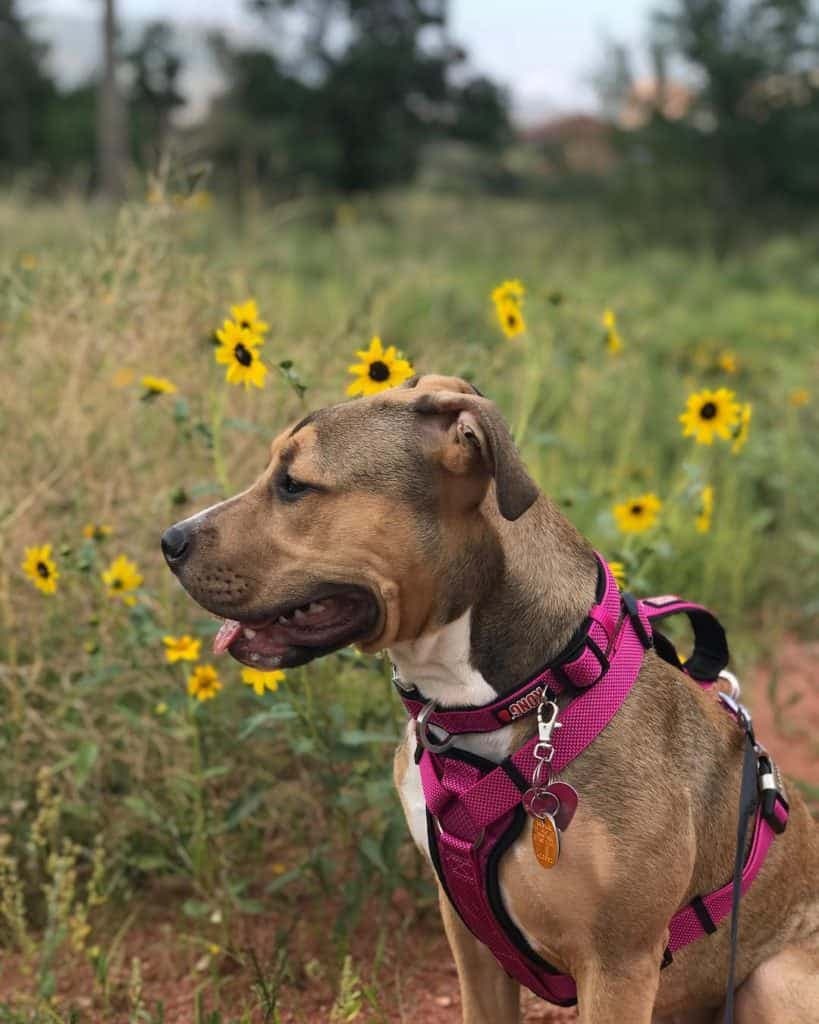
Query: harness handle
x,y
710,654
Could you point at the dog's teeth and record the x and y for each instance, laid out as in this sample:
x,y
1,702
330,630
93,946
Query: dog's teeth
x,y
299,615
255,657
283,619
249,633
315,608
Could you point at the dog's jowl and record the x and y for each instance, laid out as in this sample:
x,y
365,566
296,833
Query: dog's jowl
x,y
574,786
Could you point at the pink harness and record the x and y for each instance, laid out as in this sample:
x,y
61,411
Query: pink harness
x,y
475,808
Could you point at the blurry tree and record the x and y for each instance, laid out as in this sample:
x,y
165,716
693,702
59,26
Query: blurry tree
x,y
365,87
732,115
155,92
26,91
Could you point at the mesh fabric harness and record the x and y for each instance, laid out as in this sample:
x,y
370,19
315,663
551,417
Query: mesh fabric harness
x,y
474,809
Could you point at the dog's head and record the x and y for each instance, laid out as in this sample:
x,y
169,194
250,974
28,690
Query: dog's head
x,y
372,522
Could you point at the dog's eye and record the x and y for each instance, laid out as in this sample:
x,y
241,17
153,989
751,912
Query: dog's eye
x,y
291,488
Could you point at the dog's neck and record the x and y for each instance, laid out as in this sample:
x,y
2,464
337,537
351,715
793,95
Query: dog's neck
x,y
525,609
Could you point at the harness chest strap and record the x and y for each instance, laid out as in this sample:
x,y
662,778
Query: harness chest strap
x,y
474,807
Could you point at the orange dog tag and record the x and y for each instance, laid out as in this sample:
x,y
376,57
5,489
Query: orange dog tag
x,y
546,841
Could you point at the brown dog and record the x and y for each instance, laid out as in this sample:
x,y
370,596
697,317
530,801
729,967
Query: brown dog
x,y
407,521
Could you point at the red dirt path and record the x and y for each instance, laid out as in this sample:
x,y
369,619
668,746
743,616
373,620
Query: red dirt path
x,y
416,978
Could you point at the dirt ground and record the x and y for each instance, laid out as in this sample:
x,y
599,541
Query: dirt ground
x,y
416,978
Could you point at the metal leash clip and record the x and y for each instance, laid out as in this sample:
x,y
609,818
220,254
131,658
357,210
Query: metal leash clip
x,y
544,751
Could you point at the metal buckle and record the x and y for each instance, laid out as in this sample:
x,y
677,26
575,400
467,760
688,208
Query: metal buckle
x,y
422,731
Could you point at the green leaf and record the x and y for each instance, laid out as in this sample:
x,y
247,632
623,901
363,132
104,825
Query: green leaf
x,y
246,426
279,713
292,377
284,880
372,852
150,862
360,737
243,806
195,908
143,809
85,759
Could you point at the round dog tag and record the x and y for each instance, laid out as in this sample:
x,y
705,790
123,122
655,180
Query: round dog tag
x,y
546,841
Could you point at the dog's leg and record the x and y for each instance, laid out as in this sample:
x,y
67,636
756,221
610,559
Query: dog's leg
x,y
623,990
782,990
488,994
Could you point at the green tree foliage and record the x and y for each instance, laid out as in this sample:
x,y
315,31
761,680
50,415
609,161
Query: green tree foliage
x,y
749,133
155,92
26,91
353,108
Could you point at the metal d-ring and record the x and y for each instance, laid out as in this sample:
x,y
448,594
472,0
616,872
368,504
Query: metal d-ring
x,y
736,691
422,731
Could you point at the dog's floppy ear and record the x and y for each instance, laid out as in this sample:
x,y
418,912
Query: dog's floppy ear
x,y
477,437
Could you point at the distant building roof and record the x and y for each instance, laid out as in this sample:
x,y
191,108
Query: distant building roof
x,y
671,99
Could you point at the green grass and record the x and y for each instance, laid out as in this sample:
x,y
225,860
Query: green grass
x,y
215,794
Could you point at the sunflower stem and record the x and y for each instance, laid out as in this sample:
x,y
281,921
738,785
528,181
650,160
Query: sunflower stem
x,y
216,426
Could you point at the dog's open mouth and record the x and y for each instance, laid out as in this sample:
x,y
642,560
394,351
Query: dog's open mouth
x,y
292,635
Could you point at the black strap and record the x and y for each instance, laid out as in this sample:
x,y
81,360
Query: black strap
x,y
710,654
747,806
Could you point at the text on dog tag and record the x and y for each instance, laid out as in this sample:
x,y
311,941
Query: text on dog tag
x,y
546,841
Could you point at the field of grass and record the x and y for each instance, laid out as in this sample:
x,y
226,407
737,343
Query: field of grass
x,y
120,793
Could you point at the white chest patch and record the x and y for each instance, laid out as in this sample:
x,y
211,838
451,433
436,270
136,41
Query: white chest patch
x,y
438,664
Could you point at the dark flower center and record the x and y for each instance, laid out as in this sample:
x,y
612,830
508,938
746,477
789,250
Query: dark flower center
x,y
511,319
379,371
43,570
708,411
245,324
116,584
242,355
636,509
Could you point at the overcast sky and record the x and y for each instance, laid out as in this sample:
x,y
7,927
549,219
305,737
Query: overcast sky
x,y
543,50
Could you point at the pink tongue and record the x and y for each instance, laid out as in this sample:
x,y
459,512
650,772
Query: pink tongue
x,y
228,632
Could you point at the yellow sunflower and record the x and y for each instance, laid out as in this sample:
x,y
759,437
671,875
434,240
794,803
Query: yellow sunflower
x,y
96,531
204,682
121,577
611,336
728,363
708,413
741,428
508,291
703,522
181,648
618,571
41,568
799,397
261,680
246,316
638,514
238,351
378,370
510,318
154,386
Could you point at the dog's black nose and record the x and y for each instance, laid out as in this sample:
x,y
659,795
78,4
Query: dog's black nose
x,y
176,543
